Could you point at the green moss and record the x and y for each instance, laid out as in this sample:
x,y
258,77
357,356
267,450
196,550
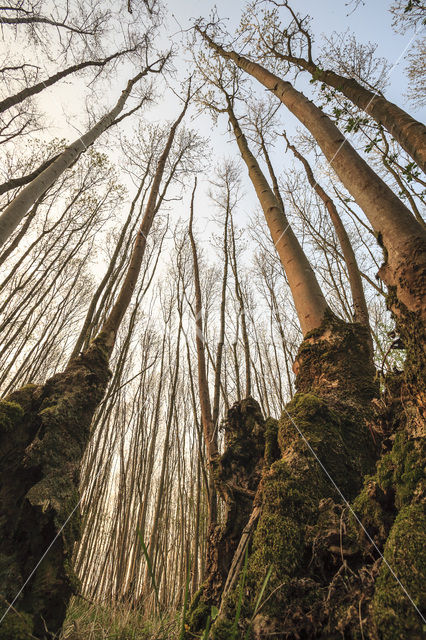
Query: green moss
x,y
340,440
10,413
405,552
402,470
198,612
369,506
409,460
335,359
272,450
16,626
42,475
399,477
279,540
222,630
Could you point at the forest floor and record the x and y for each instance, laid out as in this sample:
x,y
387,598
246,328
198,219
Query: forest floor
x,y
86,621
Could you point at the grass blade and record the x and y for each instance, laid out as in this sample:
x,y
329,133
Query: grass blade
x,y
240,598
260,596
149,565
185,603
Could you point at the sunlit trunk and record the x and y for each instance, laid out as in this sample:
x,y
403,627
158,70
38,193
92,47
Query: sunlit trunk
x,y
308,298
401,235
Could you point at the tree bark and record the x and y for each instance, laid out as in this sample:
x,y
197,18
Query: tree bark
x,y
308,298
357,290
210,433
398,231
11,101
408,132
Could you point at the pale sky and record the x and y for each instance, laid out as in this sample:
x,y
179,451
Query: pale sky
x,y
370,22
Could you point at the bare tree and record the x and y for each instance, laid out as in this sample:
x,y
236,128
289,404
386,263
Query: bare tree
x,y
15,211
392,221
68,402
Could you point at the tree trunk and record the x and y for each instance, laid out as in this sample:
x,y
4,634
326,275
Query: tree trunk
x,y
113,321
43,436
316,460
11,101
309,300
408,132
355,282
209,431
44,431
16,210
400,234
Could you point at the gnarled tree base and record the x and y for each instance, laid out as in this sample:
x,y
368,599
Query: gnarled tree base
x,y
302,524
237,474
44,431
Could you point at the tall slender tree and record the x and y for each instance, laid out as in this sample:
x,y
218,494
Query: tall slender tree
x,y
28,196
45,430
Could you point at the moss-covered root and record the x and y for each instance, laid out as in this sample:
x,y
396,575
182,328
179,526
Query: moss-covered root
x,y
396,612
44,431
237,476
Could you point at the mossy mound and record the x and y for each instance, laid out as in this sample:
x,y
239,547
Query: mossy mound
x,y
198,611
45,433
401,585
324,443
294,490
17,626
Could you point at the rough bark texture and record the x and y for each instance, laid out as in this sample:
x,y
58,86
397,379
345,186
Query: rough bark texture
x,y
298,532
238,473
44,430
409,276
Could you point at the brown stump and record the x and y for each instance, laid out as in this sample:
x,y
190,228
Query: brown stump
x,y
237,476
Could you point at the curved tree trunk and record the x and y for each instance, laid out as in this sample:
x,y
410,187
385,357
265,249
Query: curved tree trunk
x,y
395,226
11,101
355,281
16,210
309,300
408,132
113,321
